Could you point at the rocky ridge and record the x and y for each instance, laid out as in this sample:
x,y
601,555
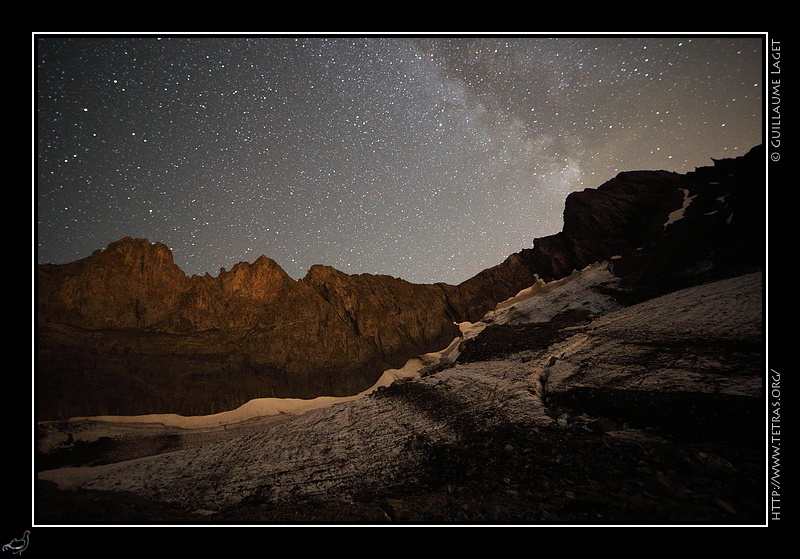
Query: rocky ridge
x,y
125,331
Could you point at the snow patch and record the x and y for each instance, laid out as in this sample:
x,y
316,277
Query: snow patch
x,y
678,214
542,301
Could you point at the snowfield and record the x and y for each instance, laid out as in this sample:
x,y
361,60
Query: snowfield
x,y
271,450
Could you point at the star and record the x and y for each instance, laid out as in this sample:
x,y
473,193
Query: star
x,y
429,158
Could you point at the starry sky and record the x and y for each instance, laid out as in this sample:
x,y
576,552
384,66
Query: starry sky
x,y
424,157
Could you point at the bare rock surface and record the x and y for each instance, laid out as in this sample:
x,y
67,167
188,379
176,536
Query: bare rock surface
x,y
629,414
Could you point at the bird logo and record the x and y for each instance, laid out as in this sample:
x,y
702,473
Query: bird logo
x,y
18,545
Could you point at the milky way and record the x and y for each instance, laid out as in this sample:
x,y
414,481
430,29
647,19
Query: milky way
x,y
425,158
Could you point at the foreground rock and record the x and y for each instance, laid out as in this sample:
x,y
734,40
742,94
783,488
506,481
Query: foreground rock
x,y
601,414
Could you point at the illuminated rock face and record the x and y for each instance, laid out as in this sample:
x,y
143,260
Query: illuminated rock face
x,y
125,331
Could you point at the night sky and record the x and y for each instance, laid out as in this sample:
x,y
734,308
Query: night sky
x,y
427,158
